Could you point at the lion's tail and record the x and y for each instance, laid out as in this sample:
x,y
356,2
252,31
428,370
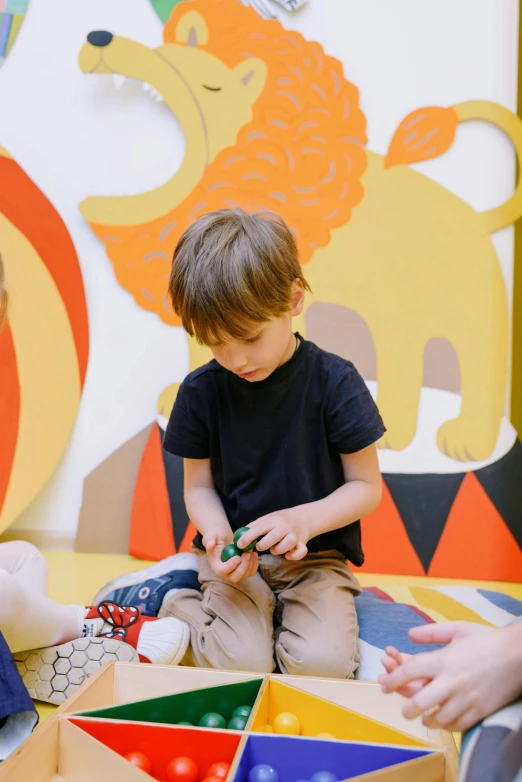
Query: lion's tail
x,y
429,131
508,212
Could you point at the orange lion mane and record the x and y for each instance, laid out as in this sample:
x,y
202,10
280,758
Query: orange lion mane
x,y
302,155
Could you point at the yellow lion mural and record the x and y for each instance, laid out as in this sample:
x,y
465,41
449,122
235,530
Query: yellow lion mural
x,y
271,122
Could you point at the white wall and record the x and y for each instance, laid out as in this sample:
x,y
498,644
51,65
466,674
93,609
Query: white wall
x,y
77,135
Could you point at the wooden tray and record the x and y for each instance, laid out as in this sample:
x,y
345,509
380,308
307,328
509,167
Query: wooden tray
x,y
129,707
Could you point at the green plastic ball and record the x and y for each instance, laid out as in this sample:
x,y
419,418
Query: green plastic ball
x,y
189,724
242,711
212,720
238,723
243,531
230,551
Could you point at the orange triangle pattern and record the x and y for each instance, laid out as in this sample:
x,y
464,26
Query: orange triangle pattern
x,y
476,543
151,535
188,537
386,544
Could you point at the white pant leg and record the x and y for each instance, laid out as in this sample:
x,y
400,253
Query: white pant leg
x,y
23,561
29,619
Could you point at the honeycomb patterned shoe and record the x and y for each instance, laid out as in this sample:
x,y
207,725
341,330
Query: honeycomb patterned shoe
x,y
53,674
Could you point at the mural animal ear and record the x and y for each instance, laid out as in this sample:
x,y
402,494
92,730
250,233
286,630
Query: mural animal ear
x,y
192,29
164,8
251,73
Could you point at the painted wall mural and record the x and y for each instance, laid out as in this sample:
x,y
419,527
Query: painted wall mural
x,y
45,346
11,16
406,280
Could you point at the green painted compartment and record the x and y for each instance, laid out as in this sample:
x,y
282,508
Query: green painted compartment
x,y
185,706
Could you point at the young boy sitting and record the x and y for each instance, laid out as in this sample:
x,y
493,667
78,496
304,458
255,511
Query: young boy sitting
x,y
278,435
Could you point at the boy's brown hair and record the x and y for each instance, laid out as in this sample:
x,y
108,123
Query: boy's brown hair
x,y
3,295
232,269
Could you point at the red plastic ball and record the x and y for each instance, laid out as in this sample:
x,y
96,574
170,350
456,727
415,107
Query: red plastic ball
x,y
182,769
213,778
219,770
140,760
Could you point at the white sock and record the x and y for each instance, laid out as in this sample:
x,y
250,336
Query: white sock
x,y
89,627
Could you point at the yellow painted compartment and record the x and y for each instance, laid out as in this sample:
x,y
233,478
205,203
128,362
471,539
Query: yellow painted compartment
x,y
318,715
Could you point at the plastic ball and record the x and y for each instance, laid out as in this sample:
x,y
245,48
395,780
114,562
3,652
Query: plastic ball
x,y
213,779
182,769
323,776
265,729
242,531
238,723
140,760
219,770
212,720
324,736
230,551
263,773
287,723
242,711
188,724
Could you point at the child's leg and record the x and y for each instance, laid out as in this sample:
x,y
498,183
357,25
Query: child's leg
x,y
319,629
23,561
231,625
28,619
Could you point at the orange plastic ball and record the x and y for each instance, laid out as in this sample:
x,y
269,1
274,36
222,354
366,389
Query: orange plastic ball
x,y
287,723
182,769
139,760
219,770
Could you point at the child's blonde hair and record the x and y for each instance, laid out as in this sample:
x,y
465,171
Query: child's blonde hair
x,y
232,269
3,295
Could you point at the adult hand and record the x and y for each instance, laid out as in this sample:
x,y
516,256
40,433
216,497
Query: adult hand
x,y
234,569
283,532
425,634
478,672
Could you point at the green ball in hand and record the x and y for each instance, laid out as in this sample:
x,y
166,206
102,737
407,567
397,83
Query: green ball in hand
x,y
212,720
230,551
238,723
243,531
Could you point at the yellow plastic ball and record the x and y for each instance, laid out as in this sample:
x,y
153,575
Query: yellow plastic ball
x,y
287,723
266,729
324,736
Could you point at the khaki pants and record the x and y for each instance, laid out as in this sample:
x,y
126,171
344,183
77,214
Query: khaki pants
x,y
310,604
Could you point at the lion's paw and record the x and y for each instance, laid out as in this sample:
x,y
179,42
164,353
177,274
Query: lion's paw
x,y
464,442
395,440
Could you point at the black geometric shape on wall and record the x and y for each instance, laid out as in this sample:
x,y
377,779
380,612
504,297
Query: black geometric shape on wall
x,y
502,482
175,479
424,503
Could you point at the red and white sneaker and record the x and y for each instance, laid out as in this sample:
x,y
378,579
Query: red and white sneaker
x,y
162,641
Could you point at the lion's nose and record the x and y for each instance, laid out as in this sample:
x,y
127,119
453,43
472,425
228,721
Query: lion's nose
x,y
99,38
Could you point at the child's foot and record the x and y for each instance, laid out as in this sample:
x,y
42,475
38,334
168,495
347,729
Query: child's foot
x,y
53,674
146,589
162,641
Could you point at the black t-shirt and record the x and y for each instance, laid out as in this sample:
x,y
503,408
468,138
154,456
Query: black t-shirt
x,y
276,443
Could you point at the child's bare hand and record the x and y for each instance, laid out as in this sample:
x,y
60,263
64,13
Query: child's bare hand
x,y
234,569
282,532
478,672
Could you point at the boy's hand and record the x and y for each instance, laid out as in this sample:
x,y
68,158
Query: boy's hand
x,y
457,686
234,569
283,532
